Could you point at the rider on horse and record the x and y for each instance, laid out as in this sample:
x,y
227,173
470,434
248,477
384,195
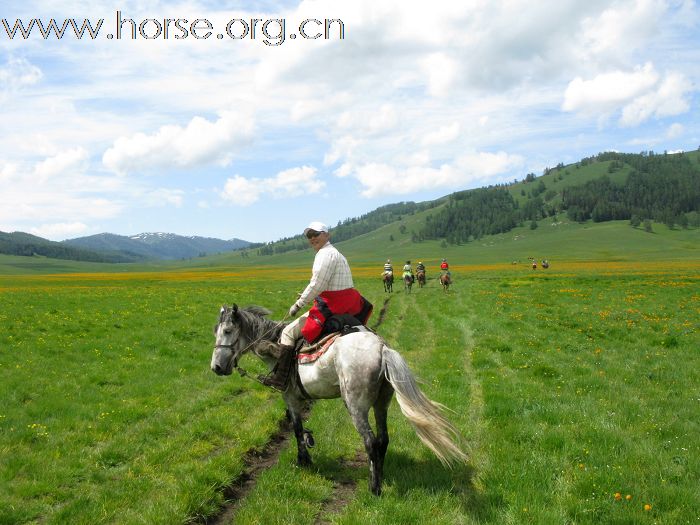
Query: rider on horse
x,y
408,271
331,289
388,268
420,273
445,268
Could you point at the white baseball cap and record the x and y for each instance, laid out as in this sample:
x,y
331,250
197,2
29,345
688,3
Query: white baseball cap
x,y
317,227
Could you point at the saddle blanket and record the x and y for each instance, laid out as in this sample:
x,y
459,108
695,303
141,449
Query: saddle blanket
x,y
310,353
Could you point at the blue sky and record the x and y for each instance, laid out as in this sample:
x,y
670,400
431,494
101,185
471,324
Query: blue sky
x,y
229,138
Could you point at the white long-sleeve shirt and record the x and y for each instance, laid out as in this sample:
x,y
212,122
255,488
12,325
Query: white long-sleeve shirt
x,y
330,271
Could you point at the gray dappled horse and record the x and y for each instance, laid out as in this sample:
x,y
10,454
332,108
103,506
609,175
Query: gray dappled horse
x,y
359,367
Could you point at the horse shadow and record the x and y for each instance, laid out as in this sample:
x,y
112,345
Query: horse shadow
x,y
405,474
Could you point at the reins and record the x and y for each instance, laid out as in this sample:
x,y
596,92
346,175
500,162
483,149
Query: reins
x,y
242,371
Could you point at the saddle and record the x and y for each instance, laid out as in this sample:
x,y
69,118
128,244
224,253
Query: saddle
x,y
335,326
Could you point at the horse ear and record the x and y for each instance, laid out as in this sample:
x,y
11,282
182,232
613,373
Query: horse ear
x,y
235,309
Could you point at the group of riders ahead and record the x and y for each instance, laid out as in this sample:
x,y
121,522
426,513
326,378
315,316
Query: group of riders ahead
x,y
408,270
336,302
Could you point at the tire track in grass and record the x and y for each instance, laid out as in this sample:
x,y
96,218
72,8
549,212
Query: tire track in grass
x,y
382,313
255,461
478,456
459,321
344,487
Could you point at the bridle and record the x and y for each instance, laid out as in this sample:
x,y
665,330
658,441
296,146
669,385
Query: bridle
x,y
241,371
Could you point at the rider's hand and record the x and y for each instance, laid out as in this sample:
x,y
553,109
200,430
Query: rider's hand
x,y
294,309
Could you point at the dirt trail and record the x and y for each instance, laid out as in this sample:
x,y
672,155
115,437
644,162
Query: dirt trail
x,y
255,463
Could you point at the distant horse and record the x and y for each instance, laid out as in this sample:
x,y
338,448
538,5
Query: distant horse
x,y
388,280
359,367
420,276
408,282
545,264
445,281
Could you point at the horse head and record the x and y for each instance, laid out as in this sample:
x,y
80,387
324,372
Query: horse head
x,y
229,346
235,331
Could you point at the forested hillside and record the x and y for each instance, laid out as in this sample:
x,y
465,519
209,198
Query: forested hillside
x,y
638,187
353,227
663,188
18,243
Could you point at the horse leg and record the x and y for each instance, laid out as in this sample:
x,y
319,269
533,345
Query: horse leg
x,y
381,409
303,456
374,457
357,400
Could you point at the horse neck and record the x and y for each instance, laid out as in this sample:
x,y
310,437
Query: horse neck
x,y
266,330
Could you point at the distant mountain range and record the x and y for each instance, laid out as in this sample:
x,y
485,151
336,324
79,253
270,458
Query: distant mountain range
x,y
161,246
108,247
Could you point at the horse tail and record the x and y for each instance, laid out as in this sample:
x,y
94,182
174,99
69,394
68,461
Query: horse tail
x,y
426,416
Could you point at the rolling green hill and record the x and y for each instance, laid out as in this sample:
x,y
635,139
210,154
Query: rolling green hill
x,y
544,229
25,244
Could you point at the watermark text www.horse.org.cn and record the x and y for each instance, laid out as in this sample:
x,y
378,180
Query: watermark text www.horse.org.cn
x,y
271,31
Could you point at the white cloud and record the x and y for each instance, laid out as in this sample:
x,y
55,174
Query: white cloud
x,y
242,191
639,95
675,130
668,99
623,26
18,73
201,142
442,135
294,182
68,162
58,196
382,179
440,71
60,230
343,147
163,197
608,90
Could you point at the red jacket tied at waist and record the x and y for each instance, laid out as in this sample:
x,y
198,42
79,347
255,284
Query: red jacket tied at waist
x,y
348,301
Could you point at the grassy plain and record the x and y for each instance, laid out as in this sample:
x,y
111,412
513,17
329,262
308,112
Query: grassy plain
x,y
570,386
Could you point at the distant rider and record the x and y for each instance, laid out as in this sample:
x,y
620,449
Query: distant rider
x,y
388,268
445,268
408,271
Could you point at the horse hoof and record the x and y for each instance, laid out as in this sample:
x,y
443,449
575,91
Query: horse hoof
x,y
309,440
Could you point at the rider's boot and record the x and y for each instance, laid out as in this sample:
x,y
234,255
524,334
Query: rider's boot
x,y
280,374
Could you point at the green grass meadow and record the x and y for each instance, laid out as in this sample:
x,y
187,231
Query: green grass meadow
x,y
576,391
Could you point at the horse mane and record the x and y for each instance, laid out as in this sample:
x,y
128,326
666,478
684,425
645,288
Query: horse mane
x,y
255,324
